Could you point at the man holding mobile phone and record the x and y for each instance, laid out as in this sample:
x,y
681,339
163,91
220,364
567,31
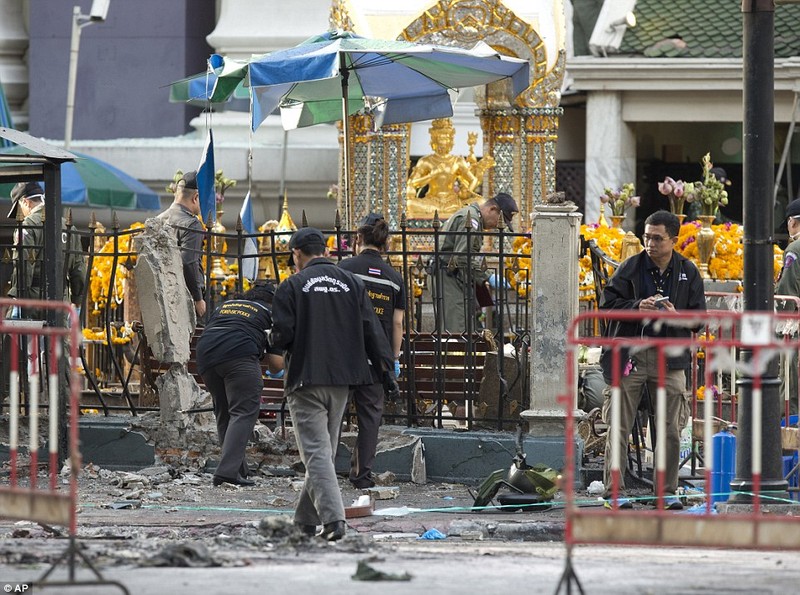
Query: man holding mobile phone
x,y
656,279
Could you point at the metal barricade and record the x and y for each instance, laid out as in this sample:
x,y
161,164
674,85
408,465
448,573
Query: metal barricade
x,y
36,351
746,345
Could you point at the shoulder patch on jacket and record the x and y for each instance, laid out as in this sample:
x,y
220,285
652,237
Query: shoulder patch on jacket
x,y
789,259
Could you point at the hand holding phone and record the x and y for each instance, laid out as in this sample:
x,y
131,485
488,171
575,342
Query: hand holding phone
x,y
661,302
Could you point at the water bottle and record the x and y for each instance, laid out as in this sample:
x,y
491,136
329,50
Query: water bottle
x,y
724,465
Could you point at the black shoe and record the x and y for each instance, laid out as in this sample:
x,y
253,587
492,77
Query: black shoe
x,y
309,530
239,481
363,483
333,531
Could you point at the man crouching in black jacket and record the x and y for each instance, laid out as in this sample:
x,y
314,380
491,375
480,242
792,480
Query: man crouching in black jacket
x,y
325,322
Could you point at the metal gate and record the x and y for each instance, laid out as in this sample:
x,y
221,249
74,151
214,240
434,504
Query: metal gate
x,y
43,386
744,346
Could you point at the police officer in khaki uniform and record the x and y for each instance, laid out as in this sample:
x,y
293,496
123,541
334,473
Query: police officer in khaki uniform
x,y
28,278
456,300
182,215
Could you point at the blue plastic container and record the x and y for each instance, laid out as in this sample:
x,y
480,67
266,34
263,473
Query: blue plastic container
x,y
724,465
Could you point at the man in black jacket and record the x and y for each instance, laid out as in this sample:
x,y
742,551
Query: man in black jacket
x,y
324,321
658,272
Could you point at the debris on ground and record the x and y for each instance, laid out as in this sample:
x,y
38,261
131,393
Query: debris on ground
x,y
192,555
365,572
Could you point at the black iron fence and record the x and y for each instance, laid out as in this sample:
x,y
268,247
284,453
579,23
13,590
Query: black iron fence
x,y
476,377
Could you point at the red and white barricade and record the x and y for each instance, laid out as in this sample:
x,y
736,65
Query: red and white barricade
x,y
35,355
738,519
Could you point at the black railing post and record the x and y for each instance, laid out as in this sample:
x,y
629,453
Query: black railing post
x,y
759,168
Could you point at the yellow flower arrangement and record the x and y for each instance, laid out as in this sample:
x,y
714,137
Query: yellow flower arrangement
x,y
701,392
609,240
100,278
120,335
727,263
520,280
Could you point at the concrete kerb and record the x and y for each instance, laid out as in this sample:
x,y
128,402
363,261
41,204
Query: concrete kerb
x,y
454,457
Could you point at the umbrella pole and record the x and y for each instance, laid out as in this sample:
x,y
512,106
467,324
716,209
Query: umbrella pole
x,y
282,186
345,74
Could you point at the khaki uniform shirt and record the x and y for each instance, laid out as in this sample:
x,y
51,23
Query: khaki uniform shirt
x,y
29,282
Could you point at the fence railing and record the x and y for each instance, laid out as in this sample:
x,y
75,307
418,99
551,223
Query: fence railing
x,y
443,372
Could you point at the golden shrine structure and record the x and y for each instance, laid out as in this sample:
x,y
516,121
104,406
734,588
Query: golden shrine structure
x,y
519,137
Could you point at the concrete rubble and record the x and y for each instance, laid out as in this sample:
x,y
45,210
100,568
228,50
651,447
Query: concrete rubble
x,y
169,320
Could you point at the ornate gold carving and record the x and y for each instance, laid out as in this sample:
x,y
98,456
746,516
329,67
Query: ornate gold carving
x,y
339,17
465,22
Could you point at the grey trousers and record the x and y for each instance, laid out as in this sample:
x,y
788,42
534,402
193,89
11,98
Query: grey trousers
x,y
235,388
317,413
631,392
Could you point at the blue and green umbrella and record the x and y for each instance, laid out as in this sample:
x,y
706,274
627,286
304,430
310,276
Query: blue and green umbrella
x,y
94,183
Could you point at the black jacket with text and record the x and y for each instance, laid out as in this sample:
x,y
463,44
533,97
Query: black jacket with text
x,y
323,319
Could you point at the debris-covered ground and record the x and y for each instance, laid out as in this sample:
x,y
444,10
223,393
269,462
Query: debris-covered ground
x,y
168,516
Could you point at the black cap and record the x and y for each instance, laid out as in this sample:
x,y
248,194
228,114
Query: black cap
x,y
190,180
24,190
793,208
792,211
306,236
508,206
371,219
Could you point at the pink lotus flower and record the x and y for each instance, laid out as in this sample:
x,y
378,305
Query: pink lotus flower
x,y
667,186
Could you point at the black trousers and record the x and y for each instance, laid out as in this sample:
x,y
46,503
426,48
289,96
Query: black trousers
x,y
368,402
235,388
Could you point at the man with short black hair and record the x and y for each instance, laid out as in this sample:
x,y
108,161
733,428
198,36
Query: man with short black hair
x,y
182,215
456,302
656,273
323,319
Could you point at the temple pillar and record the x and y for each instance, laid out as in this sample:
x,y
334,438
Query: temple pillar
x,y
554,303
610,149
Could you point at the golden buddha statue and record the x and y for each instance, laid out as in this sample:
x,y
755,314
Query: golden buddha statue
x,y
450,179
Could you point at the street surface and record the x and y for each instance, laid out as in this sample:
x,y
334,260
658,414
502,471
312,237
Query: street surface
x,y
138,530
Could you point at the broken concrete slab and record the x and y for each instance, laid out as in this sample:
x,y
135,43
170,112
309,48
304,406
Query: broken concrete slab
x,y
167,309
178,392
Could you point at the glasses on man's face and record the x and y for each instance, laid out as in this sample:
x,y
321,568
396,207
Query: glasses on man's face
x,y
654,239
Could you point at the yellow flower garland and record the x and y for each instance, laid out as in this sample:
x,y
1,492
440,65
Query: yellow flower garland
x,y
727,261
100,278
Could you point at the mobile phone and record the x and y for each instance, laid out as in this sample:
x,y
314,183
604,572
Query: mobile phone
x,y
661,302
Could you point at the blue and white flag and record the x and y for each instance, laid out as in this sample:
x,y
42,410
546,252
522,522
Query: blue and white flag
x,y
205,181
249,260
